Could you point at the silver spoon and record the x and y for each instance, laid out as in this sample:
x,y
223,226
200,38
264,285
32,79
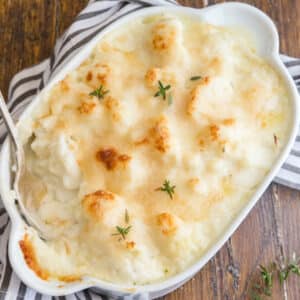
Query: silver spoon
x,y
17,154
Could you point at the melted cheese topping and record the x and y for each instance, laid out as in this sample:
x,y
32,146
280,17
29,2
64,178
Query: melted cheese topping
x,y
96,166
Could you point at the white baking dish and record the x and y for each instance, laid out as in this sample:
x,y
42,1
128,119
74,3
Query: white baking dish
x,y
228,14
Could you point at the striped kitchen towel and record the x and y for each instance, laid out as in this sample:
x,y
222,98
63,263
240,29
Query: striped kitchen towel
x,y
94,18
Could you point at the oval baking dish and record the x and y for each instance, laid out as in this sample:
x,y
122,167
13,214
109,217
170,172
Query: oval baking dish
x,y
229,14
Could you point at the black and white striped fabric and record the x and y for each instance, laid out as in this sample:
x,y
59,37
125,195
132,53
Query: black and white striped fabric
x,y
94,18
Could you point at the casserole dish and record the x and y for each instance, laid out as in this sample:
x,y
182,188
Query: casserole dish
x,y
227,15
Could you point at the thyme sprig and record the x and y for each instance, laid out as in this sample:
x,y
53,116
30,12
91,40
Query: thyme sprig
x,y
122,231
168,188
194,78
99,92
263,288
292,267
162,91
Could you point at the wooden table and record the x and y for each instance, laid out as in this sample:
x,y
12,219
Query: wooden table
x,y
28,30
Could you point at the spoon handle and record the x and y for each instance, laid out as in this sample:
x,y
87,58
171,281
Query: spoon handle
x,y
19,161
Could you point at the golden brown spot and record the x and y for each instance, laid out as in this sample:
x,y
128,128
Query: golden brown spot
x,y
92,203
194,94
214,132
69,278
210,134
205,80
112,105
103,71
228,122
167,223
152,76
30,258
215,65
89,76
161,135
130,245
86,107
202,143
100,194
252,93
193,182
111,158
159,42
142,142
64,85
124,157
163,37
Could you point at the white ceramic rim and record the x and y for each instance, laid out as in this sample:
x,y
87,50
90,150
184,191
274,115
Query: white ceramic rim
x,y
18,227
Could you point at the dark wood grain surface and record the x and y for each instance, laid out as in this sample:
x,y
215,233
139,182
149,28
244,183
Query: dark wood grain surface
x,y
28,30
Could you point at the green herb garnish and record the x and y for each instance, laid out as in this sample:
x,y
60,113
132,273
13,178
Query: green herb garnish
x,y
265,284
162,91
193,78
99,93
291,268
267,279
122,231
126,216
168,188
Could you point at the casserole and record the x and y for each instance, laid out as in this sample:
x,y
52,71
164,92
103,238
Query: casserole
x,y
268,48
